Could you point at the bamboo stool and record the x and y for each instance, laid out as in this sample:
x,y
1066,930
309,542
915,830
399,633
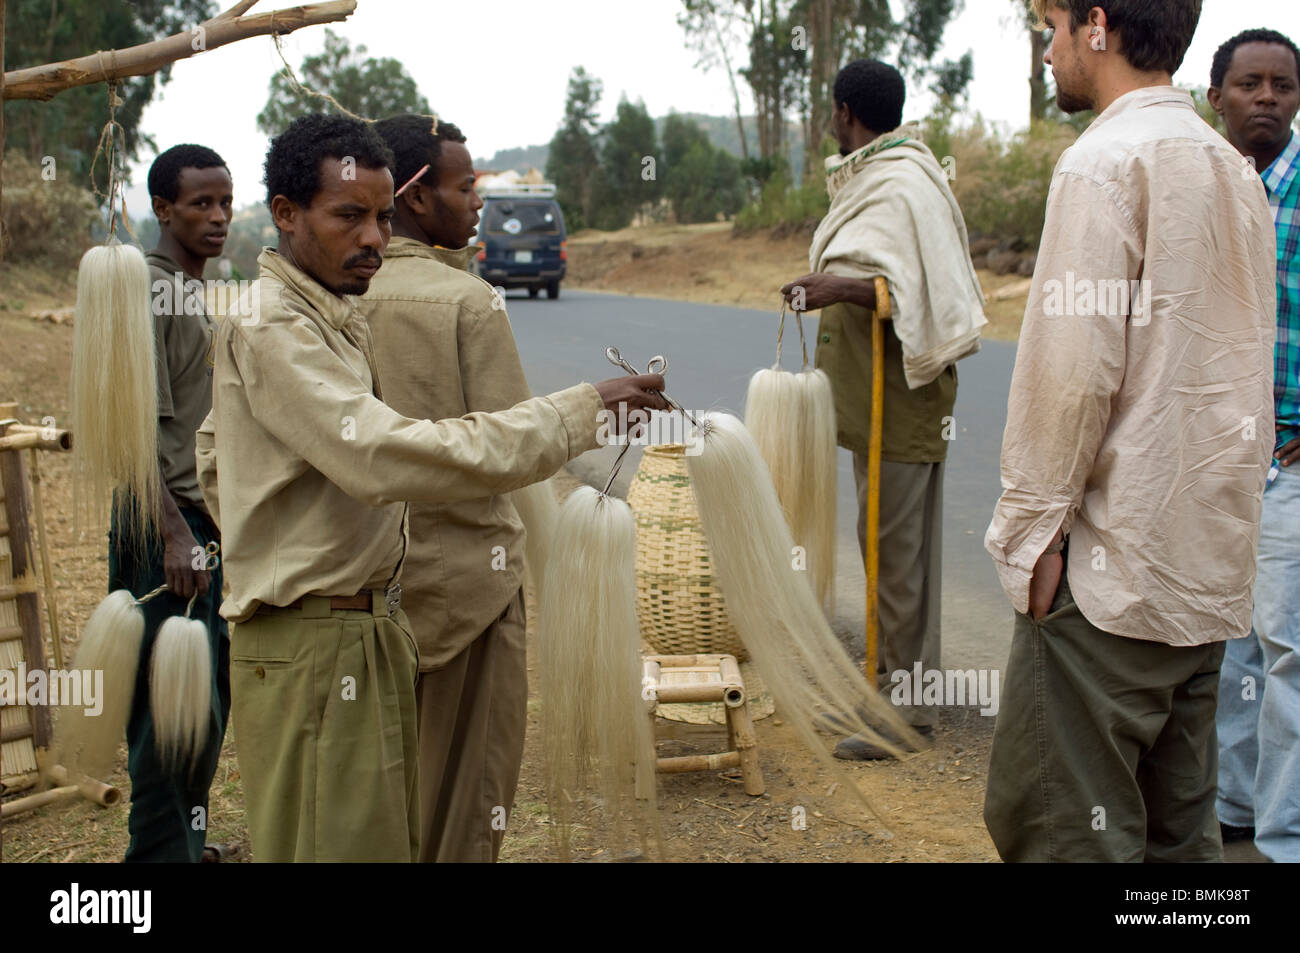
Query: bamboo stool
x,y
705,678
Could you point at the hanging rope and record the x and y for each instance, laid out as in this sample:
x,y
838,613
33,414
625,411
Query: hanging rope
x,y
780,332
300,87
112,146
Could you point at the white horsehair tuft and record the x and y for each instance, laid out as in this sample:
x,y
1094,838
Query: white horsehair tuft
x,y
180,691
596,733
110,643
115,390
774,610
792,420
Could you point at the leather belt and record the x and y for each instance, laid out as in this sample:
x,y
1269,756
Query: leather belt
x,y
363,600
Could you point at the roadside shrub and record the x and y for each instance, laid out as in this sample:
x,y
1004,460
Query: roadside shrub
x,y
48,221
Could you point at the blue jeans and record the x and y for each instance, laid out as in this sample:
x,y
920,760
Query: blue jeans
x,y
1259,691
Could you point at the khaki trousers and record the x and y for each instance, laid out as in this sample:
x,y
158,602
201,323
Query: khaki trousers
x,y
911,556
323,705
1104,748
472,716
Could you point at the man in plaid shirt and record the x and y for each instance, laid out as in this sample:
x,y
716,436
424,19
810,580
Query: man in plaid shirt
x,y
1255,87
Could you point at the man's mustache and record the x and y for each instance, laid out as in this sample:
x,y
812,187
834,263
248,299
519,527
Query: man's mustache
x,y
355,260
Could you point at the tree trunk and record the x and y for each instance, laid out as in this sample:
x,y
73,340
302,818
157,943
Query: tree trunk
x,y
4,233
1037,77
731,78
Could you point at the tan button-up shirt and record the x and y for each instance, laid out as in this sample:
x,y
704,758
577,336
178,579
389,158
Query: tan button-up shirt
x,y
303,465
1140,420
444,348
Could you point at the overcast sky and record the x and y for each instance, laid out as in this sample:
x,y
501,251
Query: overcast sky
x,y
499,70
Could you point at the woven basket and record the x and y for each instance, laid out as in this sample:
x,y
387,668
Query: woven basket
x,y
678,603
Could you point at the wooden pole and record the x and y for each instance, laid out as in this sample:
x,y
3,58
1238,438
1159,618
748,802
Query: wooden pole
x,y
43,82
4,234
881,314
32,801
47,570
24,579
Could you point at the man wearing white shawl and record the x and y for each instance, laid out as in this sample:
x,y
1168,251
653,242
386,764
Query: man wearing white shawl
x,y
892,216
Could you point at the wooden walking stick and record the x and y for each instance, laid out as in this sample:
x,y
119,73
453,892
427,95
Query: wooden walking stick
x,y
882,313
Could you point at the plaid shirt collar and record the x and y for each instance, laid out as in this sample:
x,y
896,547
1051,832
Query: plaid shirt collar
x,y
1282,171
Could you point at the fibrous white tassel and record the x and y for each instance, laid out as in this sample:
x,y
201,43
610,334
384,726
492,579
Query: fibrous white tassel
x,y
792,420
115,389
596,733
774,610
110,643
180,690
540,512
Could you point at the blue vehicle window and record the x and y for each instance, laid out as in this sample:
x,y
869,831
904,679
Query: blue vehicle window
x,y
512,217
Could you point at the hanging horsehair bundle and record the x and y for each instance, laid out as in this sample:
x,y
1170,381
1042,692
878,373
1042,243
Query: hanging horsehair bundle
x,y
110,643
540,513
774,610
792,420
596,732
180,691
115,390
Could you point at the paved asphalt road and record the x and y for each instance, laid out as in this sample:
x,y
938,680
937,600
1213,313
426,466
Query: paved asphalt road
x,y
711,352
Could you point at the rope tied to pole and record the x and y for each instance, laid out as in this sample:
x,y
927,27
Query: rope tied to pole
x,y
112,146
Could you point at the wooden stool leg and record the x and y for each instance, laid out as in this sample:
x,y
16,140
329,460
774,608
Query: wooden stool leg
x,y
646,779
741,729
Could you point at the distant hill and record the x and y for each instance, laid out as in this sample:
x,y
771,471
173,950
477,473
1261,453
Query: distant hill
x,y
721,131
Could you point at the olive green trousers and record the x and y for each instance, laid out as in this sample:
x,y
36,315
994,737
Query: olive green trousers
x,y
1105,747
323,709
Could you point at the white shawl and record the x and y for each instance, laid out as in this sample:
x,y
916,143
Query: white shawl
x,y
893,215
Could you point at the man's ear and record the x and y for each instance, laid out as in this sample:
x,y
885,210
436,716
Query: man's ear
x,y
1098,30
162,209
284,212
1214,96
418,198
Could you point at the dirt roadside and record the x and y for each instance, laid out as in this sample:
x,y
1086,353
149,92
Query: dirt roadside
x,y
710,264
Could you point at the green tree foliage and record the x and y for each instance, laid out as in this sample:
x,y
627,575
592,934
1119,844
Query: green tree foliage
x,y
796,47
369,87
700,180
68,126
573,160
629,182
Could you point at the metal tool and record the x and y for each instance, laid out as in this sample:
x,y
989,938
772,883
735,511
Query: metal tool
x,y
658,365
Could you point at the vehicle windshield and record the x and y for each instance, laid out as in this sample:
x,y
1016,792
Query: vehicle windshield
x,y
512,217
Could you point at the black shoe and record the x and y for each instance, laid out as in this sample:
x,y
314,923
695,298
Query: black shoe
x,y
857,748
1231,834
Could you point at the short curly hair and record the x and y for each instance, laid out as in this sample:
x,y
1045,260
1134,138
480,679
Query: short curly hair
x,y
294,158
415,144
165,174
875,93
1223,56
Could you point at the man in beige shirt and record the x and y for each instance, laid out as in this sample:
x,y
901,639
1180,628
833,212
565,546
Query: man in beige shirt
x,y
444,348
1139,431
304,468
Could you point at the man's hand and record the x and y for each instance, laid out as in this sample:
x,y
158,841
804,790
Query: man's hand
x,y
1044,583
178,563
634,392
813,292
1289,453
